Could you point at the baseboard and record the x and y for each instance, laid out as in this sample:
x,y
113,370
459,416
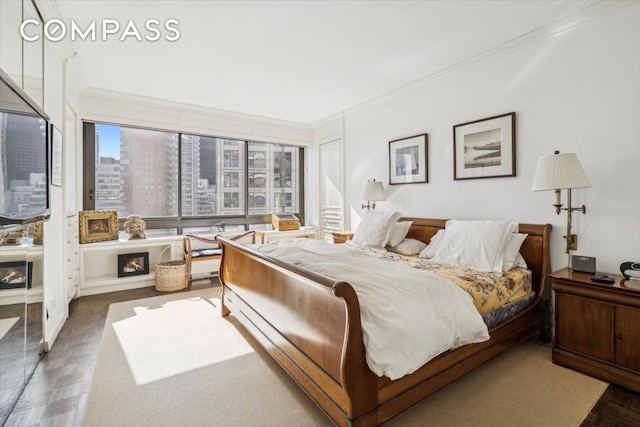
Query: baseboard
x,y
47,342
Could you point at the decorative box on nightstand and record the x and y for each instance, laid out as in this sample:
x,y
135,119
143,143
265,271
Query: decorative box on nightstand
x,y
285,222
597,327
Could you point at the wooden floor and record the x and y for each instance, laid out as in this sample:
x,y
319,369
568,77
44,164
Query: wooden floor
x,y
618,407
57,392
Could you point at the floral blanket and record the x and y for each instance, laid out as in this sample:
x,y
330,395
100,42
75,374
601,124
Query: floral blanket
x,y
489,291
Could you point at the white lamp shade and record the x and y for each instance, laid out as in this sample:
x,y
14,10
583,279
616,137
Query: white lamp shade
x,y
559,171
374,191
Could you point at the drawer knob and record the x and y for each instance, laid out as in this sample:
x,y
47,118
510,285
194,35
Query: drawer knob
x,y
618,336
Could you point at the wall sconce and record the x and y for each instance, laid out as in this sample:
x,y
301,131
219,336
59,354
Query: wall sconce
x,y
561,171
373,192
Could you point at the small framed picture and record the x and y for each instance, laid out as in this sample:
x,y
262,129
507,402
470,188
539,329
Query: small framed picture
x,y
97,226
485,148
133,264
408,160
16,274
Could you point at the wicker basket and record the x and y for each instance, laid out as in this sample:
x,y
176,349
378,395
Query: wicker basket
x,y
172,275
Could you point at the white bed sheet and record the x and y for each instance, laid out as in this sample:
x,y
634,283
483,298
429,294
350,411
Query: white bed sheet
x,y
408,316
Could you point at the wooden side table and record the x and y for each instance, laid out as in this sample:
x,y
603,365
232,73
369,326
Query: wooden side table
x,y
342,236
597,327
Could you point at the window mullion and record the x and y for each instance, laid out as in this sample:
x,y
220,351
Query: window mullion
x,y
246,181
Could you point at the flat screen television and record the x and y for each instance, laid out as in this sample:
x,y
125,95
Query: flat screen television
x,y
24,158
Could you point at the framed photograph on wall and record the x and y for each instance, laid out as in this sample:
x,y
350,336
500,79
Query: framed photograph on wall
x,y
408,160
56,157
485,148
133,264
16,274
97,226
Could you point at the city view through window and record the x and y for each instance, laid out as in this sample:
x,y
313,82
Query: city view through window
x,y
165,174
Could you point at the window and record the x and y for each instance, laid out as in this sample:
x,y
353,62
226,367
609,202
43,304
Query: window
x,y
282,169
257,159
257,180
257,200
231,179
231,158
127,161
231,200
179,181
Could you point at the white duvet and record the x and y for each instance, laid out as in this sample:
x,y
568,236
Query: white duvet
x,y
409,316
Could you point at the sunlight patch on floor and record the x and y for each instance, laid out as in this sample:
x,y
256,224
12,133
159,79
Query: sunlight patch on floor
x,y
177,337
7,324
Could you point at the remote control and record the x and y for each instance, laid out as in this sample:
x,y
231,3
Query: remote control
x,y
603,278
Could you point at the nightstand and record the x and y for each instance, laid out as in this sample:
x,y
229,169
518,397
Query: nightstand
x,y
597,328
342,236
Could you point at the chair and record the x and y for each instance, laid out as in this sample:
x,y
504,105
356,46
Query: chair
x,y
204,253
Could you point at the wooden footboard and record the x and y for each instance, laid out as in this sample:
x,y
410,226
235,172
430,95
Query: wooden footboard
x,y
311,325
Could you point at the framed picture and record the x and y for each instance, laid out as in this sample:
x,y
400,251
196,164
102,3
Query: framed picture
x,y
133,264
16,274
485,148
97,226
408,160
56,157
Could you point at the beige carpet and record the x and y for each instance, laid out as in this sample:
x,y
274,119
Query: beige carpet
x,y
173,361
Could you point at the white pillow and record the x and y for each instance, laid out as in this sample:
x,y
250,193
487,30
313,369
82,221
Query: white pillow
x,y
408,247
512,250
374,228
398,232
432,247
476,244
520,262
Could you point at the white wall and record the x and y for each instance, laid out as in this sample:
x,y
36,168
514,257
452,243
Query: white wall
x,y
56,95
574,91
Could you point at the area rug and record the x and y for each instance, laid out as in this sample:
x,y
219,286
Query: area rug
x,y
173,360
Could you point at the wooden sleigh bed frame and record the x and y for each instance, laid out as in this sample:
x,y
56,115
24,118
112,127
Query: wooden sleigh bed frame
x,y
311,325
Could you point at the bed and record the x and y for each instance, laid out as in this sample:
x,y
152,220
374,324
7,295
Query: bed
x,y
311,325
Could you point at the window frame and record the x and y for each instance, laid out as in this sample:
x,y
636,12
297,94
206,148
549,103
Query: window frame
x,y
179,222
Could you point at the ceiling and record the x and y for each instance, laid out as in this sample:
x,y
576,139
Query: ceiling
x,y
301,61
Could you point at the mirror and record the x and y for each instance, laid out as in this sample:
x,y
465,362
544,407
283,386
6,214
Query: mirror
x,y
21,289
10,40
33,58
24,184
24,200
22,60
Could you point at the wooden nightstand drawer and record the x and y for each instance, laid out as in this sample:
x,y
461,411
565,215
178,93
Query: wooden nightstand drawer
x,y
597,327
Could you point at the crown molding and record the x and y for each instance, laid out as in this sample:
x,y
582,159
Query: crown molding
x,y
563,25
164,103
